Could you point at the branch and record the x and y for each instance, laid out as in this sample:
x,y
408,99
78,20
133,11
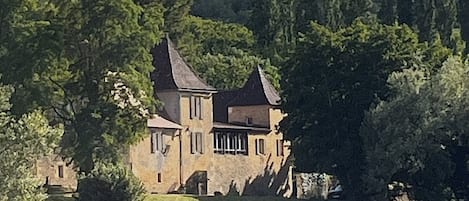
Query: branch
x,y
66,95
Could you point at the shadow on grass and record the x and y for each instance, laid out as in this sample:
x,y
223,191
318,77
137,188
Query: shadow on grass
x,y
217,198
59,198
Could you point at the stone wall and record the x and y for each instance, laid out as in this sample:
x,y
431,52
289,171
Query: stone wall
x,y
47,170
149,167
259,114
312,185
209,172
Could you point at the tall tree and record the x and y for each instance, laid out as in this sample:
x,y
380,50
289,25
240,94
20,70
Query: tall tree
x,y
222,53
22,140
88,61
232,11
419,136
463,17
428,17
332,78
174,15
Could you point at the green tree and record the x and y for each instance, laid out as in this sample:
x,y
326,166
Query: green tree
x,y
232,11
428,17
218,69
88,63
334,77
419,136
174,16
221,53
463,18
110,183
22,140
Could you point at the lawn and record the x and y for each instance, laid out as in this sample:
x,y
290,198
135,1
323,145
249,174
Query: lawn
x,y
218,198
192,198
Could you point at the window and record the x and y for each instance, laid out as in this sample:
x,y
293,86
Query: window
x,y
197,143
159,177
249,121
156,141
280,147
60,171
195,107
260,146
230,142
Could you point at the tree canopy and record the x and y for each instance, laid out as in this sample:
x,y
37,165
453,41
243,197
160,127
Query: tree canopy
x,y
22,141
87,62
332,79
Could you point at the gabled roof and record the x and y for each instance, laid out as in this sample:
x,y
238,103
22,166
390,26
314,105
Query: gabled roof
x,y
172,72
159,122
257,91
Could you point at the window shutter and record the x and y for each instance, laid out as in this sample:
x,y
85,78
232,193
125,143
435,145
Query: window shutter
x,y
192,107
257,146
152,141
161,141
261,146
193,143
202,143
279,147
200,108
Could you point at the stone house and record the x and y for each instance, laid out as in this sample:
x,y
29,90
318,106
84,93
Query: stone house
x,y
208,142
229,141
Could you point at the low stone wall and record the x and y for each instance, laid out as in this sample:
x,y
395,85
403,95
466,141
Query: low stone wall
x,y
312,185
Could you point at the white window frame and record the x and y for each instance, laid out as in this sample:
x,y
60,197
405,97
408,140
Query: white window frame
x,y
230,143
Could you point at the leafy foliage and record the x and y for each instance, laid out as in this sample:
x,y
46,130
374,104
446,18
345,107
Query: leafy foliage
x,y
22,141
413,136
219,69
232,11
331,80
221,52
110,183
88,63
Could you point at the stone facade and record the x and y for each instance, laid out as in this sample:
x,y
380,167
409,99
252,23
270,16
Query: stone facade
x,y
52,170
159,169
192,151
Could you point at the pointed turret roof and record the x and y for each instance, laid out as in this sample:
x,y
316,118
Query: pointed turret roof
x,y
172,72
257,91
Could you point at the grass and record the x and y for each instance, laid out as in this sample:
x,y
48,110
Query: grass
x,y
193,198
218,198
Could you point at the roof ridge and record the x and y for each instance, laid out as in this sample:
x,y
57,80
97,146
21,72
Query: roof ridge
x,y
189,66
259,90
172,72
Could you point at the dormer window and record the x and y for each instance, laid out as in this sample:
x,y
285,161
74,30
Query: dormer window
x,y
195,107
249,121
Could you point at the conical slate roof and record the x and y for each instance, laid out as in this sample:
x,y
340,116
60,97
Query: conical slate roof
x,y
257,91
172,72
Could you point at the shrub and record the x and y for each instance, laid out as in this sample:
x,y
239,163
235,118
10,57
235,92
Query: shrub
x,y
110,183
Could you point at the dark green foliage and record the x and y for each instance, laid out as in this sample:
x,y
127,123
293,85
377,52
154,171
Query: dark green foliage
x,y
110,183
330,81
428,17
463,17
86,63
233,11
418,136
219,69
176,11
221,52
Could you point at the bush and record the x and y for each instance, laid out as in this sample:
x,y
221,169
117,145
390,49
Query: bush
x,y
110,183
